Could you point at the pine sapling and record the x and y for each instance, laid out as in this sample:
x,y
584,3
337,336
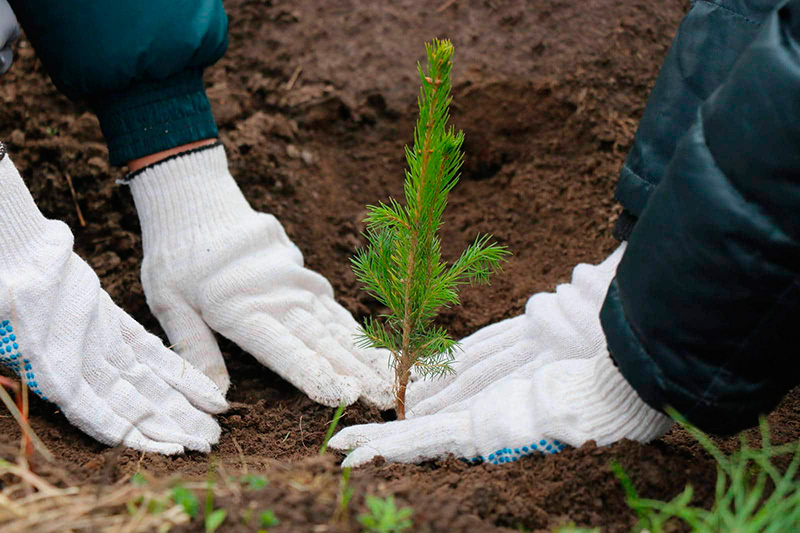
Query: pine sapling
x,y
402,265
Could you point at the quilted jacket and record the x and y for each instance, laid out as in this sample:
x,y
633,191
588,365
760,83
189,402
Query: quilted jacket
x,y
702,312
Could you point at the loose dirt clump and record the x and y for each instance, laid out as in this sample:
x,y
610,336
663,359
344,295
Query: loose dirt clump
x,y
315,101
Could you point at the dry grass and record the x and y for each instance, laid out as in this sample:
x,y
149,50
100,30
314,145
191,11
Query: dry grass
x,y
29,502
33,501
36,494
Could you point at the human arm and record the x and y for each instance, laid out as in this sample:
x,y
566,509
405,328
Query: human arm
x,y
705,297
140,68
527,385
138,65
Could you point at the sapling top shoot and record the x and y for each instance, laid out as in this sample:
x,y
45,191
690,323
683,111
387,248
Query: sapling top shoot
x,y
401,265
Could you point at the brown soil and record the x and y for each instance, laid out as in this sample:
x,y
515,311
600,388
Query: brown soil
x,y
315,101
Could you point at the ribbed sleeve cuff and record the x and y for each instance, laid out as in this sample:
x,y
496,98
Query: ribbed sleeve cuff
x,y
156,115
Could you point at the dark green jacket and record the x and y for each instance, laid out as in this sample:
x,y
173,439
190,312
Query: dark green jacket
x,y
701,315
138,64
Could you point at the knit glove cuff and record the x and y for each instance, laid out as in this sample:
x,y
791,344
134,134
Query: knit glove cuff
x,y
27,234
185,194
566,403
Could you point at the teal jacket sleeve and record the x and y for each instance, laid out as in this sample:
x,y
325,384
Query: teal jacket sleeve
x,y
138,65
703,312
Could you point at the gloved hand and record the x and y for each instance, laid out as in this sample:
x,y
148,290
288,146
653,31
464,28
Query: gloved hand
x,y
565,402
60,330
9,32
530,384
212,263
556,325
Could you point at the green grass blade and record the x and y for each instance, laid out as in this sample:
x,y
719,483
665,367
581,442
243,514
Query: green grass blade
x,y
331,428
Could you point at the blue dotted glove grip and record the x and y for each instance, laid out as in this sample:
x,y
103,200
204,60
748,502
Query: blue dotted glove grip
x,y
511,455
11,357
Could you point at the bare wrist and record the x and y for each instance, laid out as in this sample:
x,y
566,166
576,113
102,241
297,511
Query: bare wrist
x,y
141,162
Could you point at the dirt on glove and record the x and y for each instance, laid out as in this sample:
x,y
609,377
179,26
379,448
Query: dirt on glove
x,y
315,101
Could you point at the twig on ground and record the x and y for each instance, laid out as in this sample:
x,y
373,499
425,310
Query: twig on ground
x,y
139,462
25,445
302,440
241,455
293,79
446,5
81,220
16,412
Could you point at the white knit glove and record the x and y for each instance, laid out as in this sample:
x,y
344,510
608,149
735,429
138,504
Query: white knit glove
x,y
558,325
530,384
564,402
212,263
76,348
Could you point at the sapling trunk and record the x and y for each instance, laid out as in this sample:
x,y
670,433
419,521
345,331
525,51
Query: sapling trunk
x,y
401,265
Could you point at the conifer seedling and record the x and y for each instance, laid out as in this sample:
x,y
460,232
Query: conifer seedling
x,y
401,265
